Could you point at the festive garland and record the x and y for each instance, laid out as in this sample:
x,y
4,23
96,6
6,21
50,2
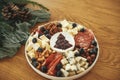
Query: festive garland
x,y
15,21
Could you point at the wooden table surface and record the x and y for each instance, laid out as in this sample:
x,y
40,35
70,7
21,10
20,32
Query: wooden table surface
x,y
102,16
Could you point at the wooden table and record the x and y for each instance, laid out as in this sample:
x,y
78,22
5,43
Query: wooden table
x,y
102,16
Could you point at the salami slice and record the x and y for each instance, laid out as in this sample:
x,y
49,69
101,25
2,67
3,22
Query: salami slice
x,y
83,39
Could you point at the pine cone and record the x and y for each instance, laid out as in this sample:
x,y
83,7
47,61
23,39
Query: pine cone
x,y
14,12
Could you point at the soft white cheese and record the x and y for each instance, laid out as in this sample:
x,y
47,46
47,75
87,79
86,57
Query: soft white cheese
x,y
65,73
67,67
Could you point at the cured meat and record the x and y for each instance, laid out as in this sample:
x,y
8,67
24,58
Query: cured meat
x,y
83,39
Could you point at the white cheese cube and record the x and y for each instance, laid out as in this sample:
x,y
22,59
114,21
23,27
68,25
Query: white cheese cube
x,y
29,46
78,66
31,53
71,73
64,23
68,67
64,61
73,68
72,61
40,42
69,26
47,46
70,31
84,59
80,27
86,65
78,59
82,69
64,29
74,32
30,39
70,54
65,73
43,44
36,46
82,63
44,38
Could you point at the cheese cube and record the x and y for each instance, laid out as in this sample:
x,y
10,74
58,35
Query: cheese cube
x,y
29,46
65,73
64,61
82,69
68,67
80,27
86,65
78,59
82,63
74,32
31,53
64,23
71,73
72,61
44,38
64,29
78,66
36,46
84,59
43,44
73,68
70,54
69,26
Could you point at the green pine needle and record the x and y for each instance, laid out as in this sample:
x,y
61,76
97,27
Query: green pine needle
x,y
27,2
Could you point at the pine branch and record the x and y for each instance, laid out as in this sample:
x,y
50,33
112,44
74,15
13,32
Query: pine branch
x,y
26,2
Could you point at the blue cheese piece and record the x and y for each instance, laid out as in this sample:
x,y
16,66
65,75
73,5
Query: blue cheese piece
x,y
73,68
65,73
64,61
64,23
68,67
